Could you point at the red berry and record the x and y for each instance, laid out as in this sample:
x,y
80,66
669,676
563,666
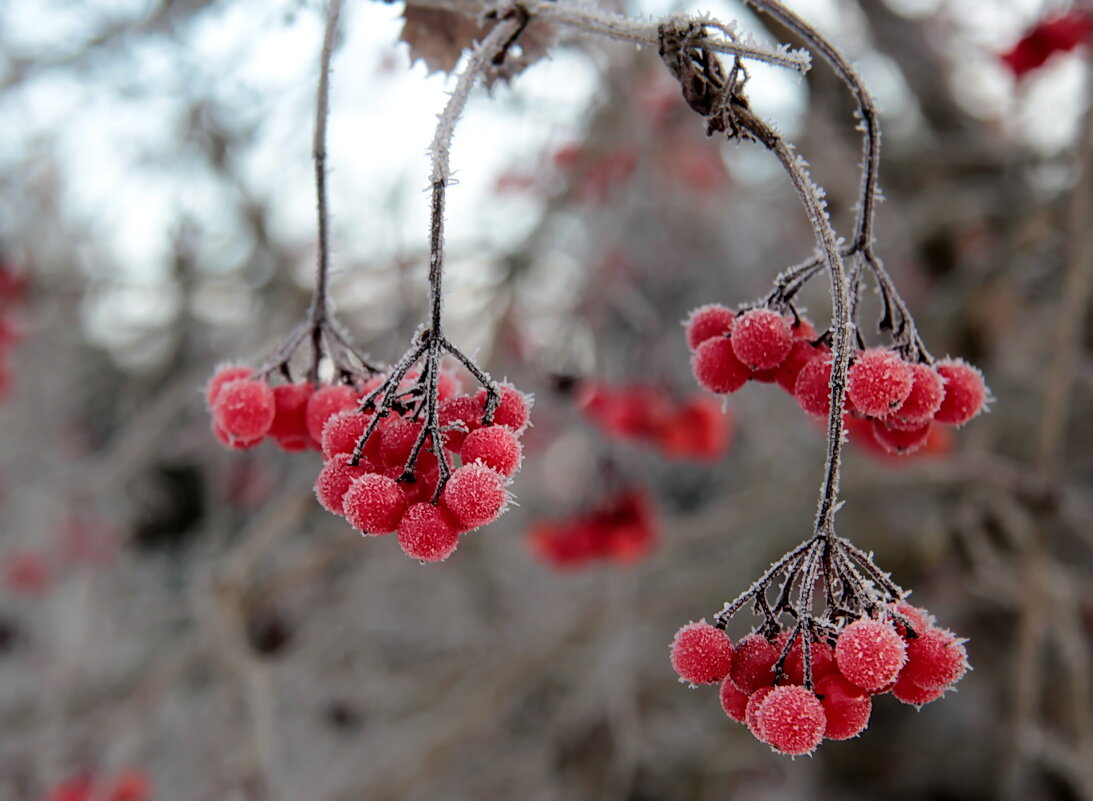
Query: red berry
x,y
813,386
791,720
846,706
448,385
753,663
334,479
244,409
513,410
910,693
223,374
494,446
700,429
289,427
716,367
399,436
803,329
701,653
965,392
734,702
475,495
343,430
935,659
802,352
706,322
374,504
919,619
751,710
870,653
326,402
235,444
130,785
927,392
878,382
823,661
761,338
460,410
428,533
898,441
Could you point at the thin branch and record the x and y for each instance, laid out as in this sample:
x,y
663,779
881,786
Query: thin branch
x,y
614,26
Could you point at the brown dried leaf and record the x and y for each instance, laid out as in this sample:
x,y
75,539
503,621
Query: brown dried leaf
x,y
438,36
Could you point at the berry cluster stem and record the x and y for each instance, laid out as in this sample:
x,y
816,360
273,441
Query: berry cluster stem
x,y
430,344
896,316
320,329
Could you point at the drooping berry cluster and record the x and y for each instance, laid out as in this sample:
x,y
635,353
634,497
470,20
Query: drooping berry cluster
x,y
793,701
900,401
379,478
128,785
620,529
694,428
382,470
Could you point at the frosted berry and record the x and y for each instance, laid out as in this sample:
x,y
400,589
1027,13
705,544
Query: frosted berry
x,y
455,413
935,659
965,392
289,426
791,720
244,409
761,338
706,322
813,386
428,533
702,653
235,444
222,375
900,441
922,403
475,495
822,657
494,446
448,385
734,702
908,692
513,411
399,436
334,479
919,619
752,665
802,352
846,706
326,402
716,367
878,382
870,653
751,711
374,504
343,430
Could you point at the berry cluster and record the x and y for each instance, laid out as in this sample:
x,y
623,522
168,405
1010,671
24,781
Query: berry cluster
x,y
898,400
692,429
129,785
12,295
382,470
792,697
620,529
